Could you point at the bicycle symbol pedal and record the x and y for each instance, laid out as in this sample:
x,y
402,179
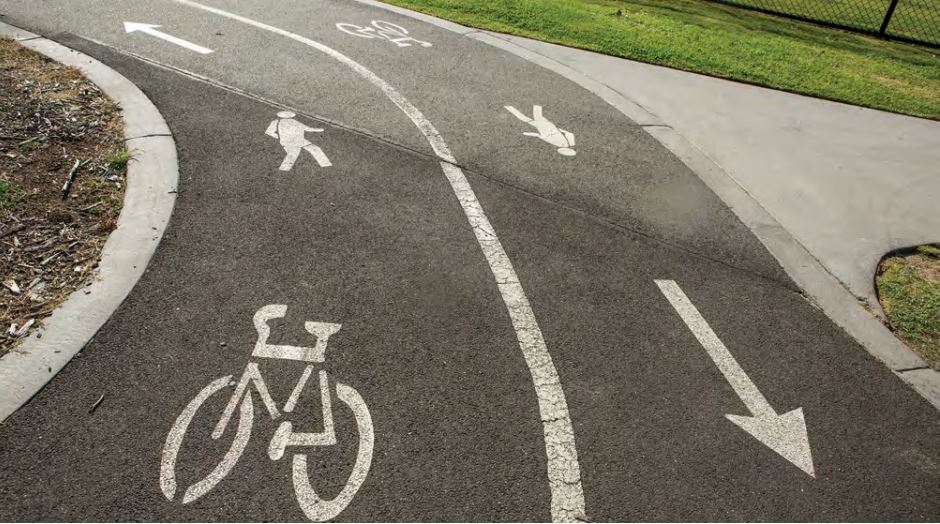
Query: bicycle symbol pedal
x,y
313,506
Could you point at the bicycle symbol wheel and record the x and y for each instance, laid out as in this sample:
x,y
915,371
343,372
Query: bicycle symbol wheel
x,y
315,507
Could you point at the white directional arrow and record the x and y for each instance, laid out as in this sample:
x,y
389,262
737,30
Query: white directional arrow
x,y
786,433
151,29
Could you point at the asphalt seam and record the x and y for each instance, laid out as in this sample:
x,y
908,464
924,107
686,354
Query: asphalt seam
x,y
431,157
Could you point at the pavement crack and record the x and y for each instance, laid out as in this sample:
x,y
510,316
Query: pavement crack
x,y
147,136
916,368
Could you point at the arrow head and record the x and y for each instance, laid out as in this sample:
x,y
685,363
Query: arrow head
x,y
130,27
785,434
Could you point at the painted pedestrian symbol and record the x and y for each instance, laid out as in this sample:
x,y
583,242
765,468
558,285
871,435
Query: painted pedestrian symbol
x,y
241,405
291,134
381,29
547,131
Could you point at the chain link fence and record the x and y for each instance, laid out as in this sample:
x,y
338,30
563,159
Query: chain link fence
x,y
914,21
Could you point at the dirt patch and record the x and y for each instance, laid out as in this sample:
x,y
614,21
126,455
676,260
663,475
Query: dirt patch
x,y
55,127
909,290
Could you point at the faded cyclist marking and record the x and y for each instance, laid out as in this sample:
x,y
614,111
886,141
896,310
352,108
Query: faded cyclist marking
x,y
291,134
314,507
547,131
396,34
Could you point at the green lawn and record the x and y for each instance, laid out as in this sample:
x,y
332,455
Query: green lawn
x,y
722,41
909,289
918,19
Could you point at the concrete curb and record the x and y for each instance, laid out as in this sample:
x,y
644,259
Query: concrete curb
x,y
807,272
148,203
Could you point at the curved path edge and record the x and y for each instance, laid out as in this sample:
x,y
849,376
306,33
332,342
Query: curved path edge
x,y
152,177
824,289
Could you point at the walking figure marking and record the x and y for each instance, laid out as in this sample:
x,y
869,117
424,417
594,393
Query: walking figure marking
x,y
547,131
290,132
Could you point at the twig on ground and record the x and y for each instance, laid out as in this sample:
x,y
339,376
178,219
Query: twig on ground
x,y
89,208
71,178
12,230
96,404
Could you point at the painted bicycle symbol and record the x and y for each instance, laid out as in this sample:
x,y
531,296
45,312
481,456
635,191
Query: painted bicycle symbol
x,y
313,506
381,29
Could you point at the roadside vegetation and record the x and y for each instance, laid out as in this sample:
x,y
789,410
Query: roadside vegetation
x,y
911,18
62,174
722,41
909,290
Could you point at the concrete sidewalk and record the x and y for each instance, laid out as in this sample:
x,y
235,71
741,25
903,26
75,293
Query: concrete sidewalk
x,y
849,183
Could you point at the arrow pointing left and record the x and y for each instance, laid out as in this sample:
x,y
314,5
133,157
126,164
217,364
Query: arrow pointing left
x,y
151,30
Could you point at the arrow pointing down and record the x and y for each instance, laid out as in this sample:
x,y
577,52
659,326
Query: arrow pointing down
x,y
151,29
786,433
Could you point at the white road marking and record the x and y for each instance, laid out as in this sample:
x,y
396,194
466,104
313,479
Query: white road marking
x,y
786,433
564,473
312,505
286,436
242,434
547,131
290,133
151,30
298,389
174,440
322,330
315,508
252,375
387,30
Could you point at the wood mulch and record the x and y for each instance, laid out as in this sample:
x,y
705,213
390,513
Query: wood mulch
x,y
62,177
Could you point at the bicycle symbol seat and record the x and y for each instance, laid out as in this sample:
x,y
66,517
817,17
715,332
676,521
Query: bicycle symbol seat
x,y
314,507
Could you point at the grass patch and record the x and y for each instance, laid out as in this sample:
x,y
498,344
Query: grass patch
x,y
10,196
722,41
912,18
118,161
909,289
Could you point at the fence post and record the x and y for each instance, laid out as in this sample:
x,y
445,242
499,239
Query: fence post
x,y
884,25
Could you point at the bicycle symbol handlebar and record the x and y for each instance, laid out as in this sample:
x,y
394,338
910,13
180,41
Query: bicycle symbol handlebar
x,y
321,330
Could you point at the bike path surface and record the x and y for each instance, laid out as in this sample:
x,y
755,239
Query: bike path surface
x,y
453,405
370,243
620,173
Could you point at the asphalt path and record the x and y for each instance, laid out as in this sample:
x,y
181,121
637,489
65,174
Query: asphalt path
x,y
379,243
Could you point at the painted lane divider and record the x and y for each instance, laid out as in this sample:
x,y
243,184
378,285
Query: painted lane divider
x,y
786,433
564,472
151,30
